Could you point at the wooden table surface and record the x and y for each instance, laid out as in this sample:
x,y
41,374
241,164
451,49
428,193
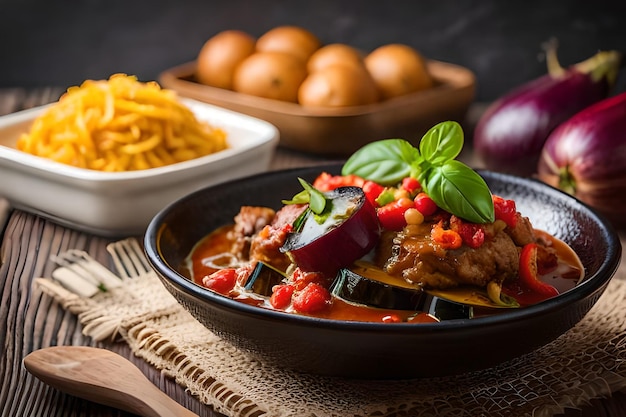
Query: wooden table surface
x,y
30,321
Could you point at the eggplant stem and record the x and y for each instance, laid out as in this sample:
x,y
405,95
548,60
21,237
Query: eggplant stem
x,y
566,181
604,64
552,61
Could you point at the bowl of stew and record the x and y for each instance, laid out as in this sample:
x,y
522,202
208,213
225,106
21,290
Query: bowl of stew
x,y
443,338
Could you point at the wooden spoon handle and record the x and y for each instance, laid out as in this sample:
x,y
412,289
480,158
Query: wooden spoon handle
x,y
104,377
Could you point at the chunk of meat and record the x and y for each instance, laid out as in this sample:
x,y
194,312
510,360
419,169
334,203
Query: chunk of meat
x,y
288,214
265,245
523,232
250,219
418,259
248,222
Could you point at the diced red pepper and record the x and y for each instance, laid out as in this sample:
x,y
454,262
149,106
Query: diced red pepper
x,y
528,271
425,204
311,299
446,238
221,281
505,210
372,190
391,216
472,234
411,185
281,296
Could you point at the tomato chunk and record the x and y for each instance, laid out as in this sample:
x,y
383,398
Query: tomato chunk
x,y
281,296
391,216
472,234
411,185
311,299
328,182
505,210
221,281
372,190
425,204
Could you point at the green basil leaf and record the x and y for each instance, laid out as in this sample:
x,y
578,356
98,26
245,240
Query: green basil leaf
x,y
443,142
299,222
321,218
310,195
317,200
386,161
458,189
301,198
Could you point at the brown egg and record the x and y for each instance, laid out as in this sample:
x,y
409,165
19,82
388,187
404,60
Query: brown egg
x,y
273,75
397,70
338,86
289,39
335,53
220,55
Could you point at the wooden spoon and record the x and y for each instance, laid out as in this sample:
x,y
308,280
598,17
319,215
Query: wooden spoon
x,y
104,377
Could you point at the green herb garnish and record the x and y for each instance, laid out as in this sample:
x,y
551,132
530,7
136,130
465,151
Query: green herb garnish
x,y
311,195
317,201
454,186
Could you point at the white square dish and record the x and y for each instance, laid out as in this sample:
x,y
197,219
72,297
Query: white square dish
x,y
123,203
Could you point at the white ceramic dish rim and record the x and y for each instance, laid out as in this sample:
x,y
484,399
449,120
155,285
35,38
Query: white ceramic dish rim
x,y
122,203
57,169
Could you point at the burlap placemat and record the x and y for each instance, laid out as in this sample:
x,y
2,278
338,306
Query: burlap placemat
x,y
587,362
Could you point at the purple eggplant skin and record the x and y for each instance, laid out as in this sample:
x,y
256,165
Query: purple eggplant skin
x,y
586,157
510,134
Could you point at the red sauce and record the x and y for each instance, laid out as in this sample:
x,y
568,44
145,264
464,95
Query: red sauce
x,y
342,310
218,242
567,275
213,244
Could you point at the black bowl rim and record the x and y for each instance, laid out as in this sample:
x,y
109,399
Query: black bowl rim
x,y
591,285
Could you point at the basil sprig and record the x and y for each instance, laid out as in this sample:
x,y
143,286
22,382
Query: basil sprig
x,y
451,184
317,201
311,195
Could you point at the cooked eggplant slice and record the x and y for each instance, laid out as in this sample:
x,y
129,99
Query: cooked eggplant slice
x,y
473,296
263,278
354,287
445,310
465,295
347,230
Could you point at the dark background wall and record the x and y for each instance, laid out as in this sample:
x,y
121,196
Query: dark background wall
x,y
63,42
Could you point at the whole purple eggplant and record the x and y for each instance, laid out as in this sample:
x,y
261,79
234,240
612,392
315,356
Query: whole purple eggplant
x,y
586,156
510,134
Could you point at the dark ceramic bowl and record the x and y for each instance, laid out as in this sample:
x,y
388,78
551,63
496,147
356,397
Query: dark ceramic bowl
x,y
378,350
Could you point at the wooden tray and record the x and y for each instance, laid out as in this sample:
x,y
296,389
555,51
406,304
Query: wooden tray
x,y
341,131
